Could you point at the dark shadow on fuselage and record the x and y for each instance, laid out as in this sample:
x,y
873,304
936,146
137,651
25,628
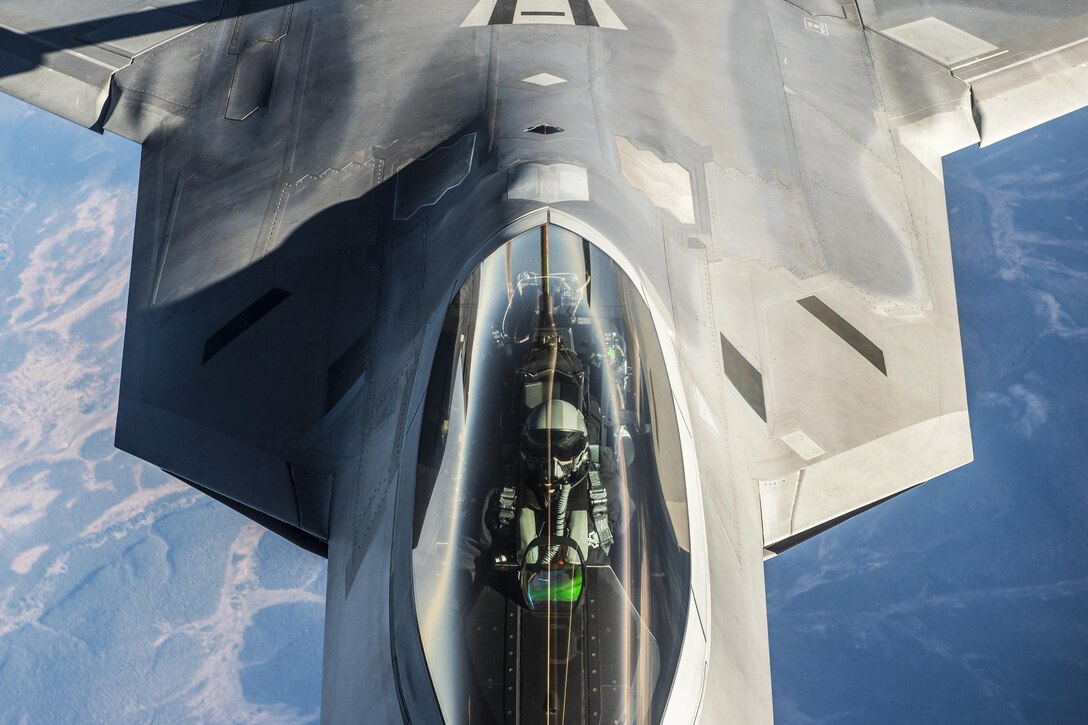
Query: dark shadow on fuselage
x,y
308,382
295,374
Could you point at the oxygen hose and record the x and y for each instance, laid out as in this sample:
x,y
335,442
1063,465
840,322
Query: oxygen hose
x,y
559,527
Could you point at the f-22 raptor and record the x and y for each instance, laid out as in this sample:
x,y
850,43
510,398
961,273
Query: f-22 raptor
x,y
545,321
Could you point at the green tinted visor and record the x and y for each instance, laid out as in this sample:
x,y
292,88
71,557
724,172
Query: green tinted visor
x,y
557,582
561,584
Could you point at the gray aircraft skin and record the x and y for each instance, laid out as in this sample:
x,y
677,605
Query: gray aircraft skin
x,y
726,216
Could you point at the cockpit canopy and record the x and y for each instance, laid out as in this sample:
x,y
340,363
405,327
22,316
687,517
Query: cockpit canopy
x,y
550,544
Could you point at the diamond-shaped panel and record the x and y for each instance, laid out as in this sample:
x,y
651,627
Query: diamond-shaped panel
x,y
544,79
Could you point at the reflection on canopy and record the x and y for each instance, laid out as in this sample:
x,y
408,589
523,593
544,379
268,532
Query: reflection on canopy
x,y
550,561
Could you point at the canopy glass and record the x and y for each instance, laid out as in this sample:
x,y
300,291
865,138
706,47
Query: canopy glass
x,y
550,562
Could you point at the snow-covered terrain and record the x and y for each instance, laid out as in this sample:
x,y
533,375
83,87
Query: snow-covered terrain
x,y
124,595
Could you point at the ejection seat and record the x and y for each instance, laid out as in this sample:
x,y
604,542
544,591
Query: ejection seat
x,y
558,367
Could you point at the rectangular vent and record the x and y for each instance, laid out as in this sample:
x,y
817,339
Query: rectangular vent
x,y
244,320
745,378
505,12
849,334
345,371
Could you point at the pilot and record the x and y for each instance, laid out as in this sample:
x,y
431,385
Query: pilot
x,y
562,488
555,459
560,484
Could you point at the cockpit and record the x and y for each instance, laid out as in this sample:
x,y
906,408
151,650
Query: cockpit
x,y
550,543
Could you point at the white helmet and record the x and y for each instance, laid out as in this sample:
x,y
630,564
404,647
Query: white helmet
x,y
554,441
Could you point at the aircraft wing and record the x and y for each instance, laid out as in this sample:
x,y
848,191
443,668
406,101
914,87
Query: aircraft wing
x,y
1024,63
835,301
256,268
76,59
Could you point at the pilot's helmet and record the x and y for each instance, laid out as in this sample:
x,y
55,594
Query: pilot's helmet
x,y
554,442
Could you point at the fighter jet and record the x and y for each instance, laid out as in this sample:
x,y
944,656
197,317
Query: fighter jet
x,y
545,321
